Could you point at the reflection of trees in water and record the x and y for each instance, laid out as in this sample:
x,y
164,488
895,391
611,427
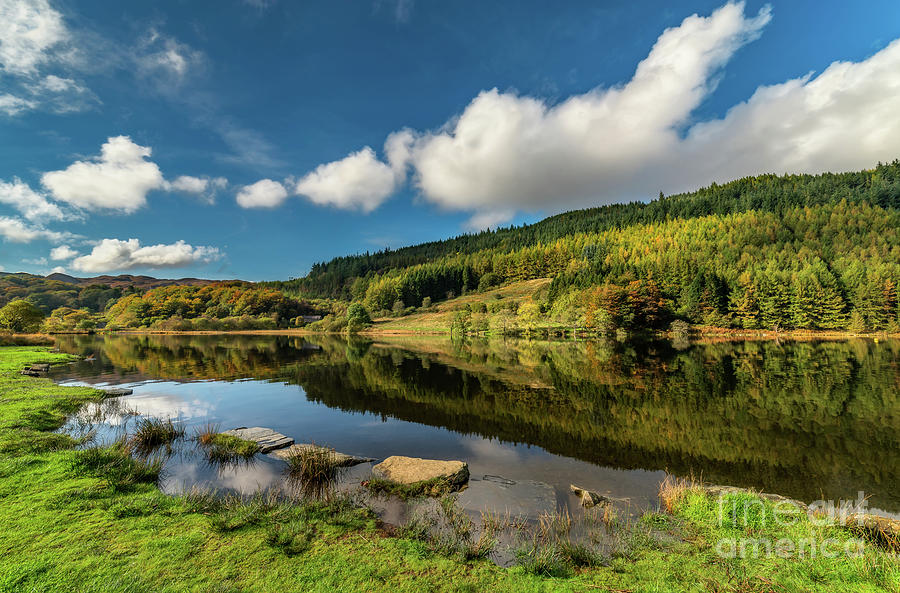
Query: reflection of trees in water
x,y
801,418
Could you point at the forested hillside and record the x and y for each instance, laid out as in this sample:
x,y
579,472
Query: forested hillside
x,y
793,251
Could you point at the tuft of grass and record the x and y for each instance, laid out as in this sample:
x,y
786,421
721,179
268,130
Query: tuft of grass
x,y
291,538
543,561
672,490
313,471
152,433
435,488
116,465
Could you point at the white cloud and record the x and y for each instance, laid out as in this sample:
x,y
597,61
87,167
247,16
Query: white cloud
x,y
19,231
265,193
31,204
166,59
119,179
62,252
203,187
57,84
115,254
507,153
12,105
61,95
358,181
29,32
58,270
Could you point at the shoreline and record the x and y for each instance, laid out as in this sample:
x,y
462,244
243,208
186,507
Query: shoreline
x,y
698,334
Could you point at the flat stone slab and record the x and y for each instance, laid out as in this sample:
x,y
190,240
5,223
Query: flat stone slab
x,y
341,459
266,438
412,470
522,498
118,391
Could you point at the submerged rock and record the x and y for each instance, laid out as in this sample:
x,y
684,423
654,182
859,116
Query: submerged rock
x,y
588,498
118,391
412,470
522,498
341,459
266,438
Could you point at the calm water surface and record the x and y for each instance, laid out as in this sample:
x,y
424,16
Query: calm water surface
x,y
810,420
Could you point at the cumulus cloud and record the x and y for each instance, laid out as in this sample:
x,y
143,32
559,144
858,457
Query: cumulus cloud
x,y
115,254
265,193
359,181
507,153
62,252
17,230
119,179
31,204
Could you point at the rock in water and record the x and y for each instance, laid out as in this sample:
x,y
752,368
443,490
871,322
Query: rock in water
x,y
341,459
588,498
412,470
521,499
118,391
266,438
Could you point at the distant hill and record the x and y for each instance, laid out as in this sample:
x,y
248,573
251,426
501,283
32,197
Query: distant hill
x,y
762,252
62,290
879,186
126,280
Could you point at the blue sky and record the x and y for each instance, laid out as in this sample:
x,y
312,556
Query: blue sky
x,y
251,139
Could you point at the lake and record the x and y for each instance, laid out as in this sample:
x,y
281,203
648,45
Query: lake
x,y
805,419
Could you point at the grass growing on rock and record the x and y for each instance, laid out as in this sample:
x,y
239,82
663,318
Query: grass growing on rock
x,y
67,527
434,487
224,448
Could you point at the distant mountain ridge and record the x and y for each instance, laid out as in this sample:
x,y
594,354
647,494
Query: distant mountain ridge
x,y
124,280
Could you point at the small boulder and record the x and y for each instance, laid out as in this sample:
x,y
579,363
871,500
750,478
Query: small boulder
x,y
588,498
341,459
412,470
41,368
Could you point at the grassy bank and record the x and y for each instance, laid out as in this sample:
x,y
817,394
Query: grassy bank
x,y
94,520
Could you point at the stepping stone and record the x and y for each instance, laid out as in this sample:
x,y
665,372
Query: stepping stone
x,y
412,470
341,459
118,391
266,438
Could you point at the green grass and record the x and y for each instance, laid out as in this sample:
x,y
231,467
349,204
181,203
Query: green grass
x,y
152,433
313,472
224,448
433,487
90,520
